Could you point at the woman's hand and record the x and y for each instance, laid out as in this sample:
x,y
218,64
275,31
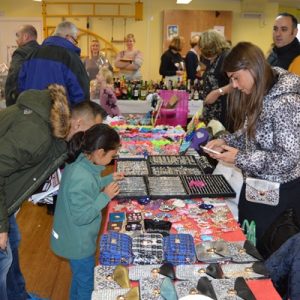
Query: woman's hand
x,y
117,176
215,145
112,190
227,153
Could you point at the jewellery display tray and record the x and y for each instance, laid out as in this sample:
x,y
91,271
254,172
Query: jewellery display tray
x,y
133,166
166,187
162,165
172,160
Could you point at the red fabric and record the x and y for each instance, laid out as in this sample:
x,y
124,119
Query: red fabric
x,y
190,223
263,289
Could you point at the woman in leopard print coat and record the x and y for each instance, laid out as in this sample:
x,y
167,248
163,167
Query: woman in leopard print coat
x,y
265,108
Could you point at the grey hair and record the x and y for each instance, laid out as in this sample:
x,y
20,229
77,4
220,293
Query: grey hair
x,y
65,28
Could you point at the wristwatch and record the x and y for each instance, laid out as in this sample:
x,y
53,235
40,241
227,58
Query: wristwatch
x,y
221,91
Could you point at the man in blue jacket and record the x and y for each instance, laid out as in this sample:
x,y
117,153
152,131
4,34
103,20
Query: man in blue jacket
x,y
57,61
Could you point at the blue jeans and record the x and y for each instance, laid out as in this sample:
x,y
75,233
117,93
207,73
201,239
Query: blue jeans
x,y
15,283
82,278
5,263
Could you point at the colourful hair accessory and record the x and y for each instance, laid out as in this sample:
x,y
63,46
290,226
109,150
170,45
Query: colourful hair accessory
x,y
197,183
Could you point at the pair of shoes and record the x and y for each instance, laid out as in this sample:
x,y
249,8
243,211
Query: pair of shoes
x,y
34,297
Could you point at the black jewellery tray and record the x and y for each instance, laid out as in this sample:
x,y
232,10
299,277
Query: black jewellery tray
x,y
133,166
214,186
167,170
133,187
172,160
166,187
204,165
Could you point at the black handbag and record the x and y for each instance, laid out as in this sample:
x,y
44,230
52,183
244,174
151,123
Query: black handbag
x,y
284,227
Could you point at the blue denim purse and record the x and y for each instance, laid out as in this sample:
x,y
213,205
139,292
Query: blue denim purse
x,y
179,249
115,249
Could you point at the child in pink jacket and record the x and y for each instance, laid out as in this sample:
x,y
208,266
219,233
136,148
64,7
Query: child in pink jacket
x,y
108,99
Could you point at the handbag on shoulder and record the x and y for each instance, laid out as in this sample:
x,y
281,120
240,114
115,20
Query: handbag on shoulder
x,y
284,227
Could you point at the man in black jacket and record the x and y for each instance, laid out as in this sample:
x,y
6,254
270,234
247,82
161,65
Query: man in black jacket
x,y
286,50
26,38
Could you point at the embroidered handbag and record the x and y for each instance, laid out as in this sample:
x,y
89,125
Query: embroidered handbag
x,y
241,252
179,249
206,251
252,270
262,191
155,271
115,249
157,289
150,288
191,272
103,278
234,288
137,272
118,294
194,287
147,249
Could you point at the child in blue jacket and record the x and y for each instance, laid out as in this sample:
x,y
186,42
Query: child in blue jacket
x,y
83,194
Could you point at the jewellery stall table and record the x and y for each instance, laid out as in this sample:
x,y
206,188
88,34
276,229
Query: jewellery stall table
x,y
204,220
216,223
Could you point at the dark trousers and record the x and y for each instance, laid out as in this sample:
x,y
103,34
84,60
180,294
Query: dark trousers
x,y
265,215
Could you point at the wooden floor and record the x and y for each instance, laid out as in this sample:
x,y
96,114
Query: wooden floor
x,y
45,274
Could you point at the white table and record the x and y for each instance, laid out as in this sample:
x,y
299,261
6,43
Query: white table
x,y
134,106
143,106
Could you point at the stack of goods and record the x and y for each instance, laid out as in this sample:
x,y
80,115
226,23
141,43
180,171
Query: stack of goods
x,y
158,260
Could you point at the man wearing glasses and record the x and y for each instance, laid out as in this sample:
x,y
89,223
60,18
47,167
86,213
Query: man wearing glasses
x,y
57,61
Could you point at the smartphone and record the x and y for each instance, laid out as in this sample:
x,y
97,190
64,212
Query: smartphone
x,y
210,150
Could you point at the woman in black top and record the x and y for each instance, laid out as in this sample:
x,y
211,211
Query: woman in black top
x,y
172,64
214,48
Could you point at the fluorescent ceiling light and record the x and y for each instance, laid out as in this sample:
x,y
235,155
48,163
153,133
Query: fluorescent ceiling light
x,y
183,1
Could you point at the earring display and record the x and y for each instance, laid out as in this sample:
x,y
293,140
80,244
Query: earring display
x,y
208,186
165,187
132,187
133,167
175,170
172,160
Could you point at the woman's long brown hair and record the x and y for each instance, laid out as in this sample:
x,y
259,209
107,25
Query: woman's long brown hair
x,y
246,56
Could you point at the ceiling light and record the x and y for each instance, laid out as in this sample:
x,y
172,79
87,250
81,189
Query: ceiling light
x,y
183,1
